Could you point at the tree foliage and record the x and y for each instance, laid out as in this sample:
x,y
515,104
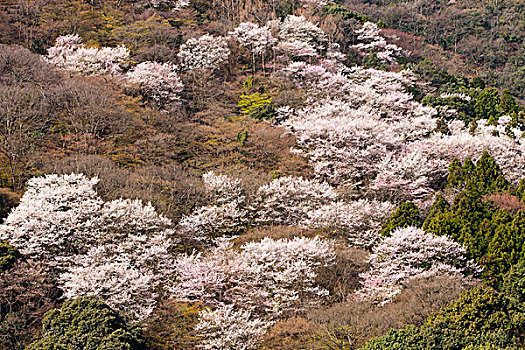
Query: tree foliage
x,y
98,248
481,318
87,323
407,214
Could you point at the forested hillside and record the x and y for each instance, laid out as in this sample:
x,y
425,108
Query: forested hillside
x,y
236,175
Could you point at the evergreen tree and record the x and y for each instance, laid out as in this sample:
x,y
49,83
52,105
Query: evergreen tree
x,y
508,103
456,174
486,105
488,176
514,285
87,324
407,214
480,319
440,206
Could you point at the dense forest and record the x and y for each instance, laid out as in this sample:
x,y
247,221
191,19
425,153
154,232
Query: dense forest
x,y
285,174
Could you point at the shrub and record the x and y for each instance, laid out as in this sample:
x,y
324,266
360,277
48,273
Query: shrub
x,y
88,324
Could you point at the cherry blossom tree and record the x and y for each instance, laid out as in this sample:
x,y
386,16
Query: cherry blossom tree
x,y
270,276
206,52
55,218
287,200
227,328
223,188
423,162
215,220
361,126
115,281
175,5
117,251
411,253
257,39
298,28
296,48
354,121
70,53
130,262
372,41
284,201
359,221
334,53
226,216
65,46
158,82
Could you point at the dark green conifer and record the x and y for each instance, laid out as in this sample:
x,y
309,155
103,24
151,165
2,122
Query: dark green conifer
x,y
407,214
440,206
88,324
456,174
488,176
508,103
486,105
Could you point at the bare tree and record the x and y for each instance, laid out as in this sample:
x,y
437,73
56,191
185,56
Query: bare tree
x,y
23,116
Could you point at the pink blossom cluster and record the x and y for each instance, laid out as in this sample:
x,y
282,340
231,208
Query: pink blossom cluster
x,y
362,126
252,36
267,277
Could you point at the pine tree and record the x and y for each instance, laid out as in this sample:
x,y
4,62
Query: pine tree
x,y
514,285
508,103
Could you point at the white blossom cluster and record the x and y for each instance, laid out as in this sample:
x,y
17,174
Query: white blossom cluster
x,y
70,53
288,200
461,96
372,41
358,221
252,36
227,328
362,126
298,28
411,253
423,161
276,276
228,215
54,218
116,251
354,120
206,52
223,188
158,81
174,5
257,283
294,37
